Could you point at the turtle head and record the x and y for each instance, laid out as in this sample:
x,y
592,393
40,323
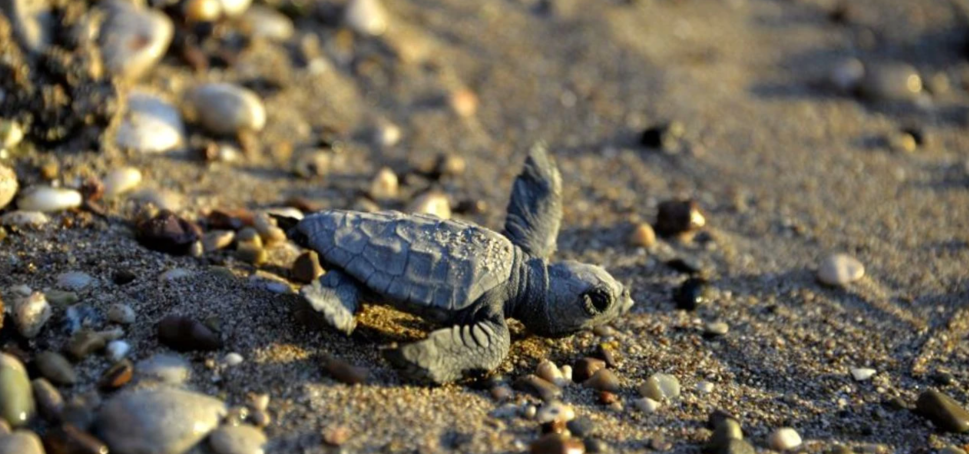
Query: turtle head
x,y
580,296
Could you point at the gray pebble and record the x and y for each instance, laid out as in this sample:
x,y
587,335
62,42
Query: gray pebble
x,y
16,398
165,368
121,313
366,17
840,270
158,420
21,442
660,387
32,22
224,108
150,125
242,439
31,313
55,368
133,39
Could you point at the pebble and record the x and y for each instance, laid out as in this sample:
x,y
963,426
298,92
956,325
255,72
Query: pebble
x,y
643,235
345,372
56,368
840,270
149,125
268,230
263,22
32,23
158,420
542,388
501,393
24,219
164,368
463,102
862,373
234,8
8,185
47,199
68,439
226,109
85,342
260,418
117,350
555,411
233,359
31,313
902,141
691,294
217,239
11,133
241,439
385,184
121,313
949,450
387,134
133,39
259,401
783,439
367,17
116,376
434,203
49,401
74,280
595,445
61,298
306,267
252,254
846,75
336,435
677,217
16,398
660,387
943,411
566,375
202,10
310,164
554,443
705,387
166,232
891,82
21,442
664,136
586,368
647,405
603,380
715,329
184,334
547,370
725,430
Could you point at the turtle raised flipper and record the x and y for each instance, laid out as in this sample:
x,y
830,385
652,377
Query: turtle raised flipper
x,y
452,353
535,208
335,296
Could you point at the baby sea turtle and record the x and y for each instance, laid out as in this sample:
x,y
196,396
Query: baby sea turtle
x,y
460,275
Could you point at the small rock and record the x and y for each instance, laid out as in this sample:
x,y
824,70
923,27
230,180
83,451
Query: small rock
x,y
306,267
555,411
46,199
586,368
891,82
252,254
268,230
647,405
24,219
227,109
434,203
943,411
168,233
691,294
121,313
184,334
16,396
384,185
55,368
345,372
678,217
123,277
862,373
463,102
260,418
117,350
566,374
241,439
725,430
234,8
21,442
603,380
783,439
366,17
846,75
133,39
902,142
85,342
259,401
74,280
149,125
165,368
386,134
597,446
705,387
11,133
262,22
121,180
116,376
233,359
501,393
840,270
32,23
158,420
664,136
68,439
715,329
544,389
660,387
217,239
60,298
336,435
202,10
8,185
547,370
554,443
49,401
581,426
643,236
31,313
311,164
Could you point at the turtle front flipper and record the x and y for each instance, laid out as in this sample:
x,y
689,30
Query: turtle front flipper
x,y
452,353
333,299
535,208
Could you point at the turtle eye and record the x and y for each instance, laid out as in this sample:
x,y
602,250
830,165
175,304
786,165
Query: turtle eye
x,y
597,301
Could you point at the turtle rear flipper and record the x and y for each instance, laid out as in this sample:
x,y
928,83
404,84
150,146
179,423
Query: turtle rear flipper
x,y
452,353
535,208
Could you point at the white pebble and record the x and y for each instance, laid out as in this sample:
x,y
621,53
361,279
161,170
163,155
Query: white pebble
x,y
233,359
150,125
74,280
133,39
48,199
387,134
217,239
840,270
529,411
122,180
567,372
548,371
24,219
366,17
783,439
8,185
384,185
224,108
433,203
647,405
117,350
31,313
232,8
862,373
555,411
121,313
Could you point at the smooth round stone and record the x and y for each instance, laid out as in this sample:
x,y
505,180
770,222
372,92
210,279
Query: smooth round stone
x,y
233,8
715,329
647,405
862,373
241,439
387,134
48,199
705,387
49,401
74,280
233,359
555,411
11,133
121,180
554,443
68,439
224,108
16,396
31,313
943,411
306,268
840,270
783,439
660,387
32,22
133,39
891,82
585,368
165,368
8,185
643,235
433,203
21,442
56,368
158,420
264,22
603,380
121,313
24,219
217,239
547,370
367,17
149,125
384,185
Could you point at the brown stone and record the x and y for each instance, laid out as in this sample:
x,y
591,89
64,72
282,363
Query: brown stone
x,y
68,439
306,267
185,334
586,368
678,216
345,372
166,232
116,376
